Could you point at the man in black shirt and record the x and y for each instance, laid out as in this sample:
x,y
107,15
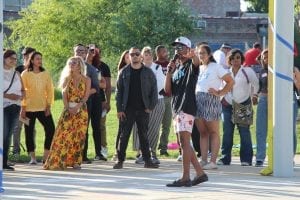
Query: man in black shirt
x,y
136,96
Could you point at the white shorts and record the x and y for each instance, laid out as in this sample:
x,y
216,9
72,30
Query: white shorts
x,y
183,122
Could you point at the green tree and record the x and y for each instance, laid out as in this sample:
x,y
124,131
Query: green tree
x,y
258,6
53,27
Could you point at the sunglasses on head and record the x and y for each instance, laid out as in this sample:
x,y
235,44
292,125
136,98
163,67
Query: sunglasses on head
x,y
72,62
135,54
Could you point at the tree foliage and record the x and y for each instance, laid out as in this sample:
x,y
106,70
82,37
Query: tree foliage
x,y
53,27
258,6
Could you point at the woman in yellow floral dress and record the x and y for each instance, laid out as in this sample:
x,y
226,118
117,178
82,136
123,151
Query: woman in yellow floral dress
x,y
68,142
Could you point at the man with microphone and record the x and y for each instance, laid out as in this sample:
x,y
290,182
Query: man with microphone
x,y
181,81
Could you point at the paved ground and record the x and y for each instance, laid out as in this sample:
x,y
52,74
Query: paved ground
x,y
99,180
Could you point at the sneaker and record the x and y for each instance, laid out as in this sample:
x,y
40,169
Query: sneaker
x,y
210,165
150,164
115,157
203,163
179,158
76,166
155,160
180,183
259,163
245,164
8,168
164,153
86,161
221,162
32,162
104,151
139,160
118,165
199,179
101,157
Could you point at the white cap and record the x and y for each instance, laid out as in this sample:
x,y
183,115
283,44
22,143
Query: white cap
x,y
182,40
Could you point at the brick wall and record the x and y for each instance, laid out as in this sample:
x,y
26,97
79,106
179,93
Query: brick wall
x,y
216,8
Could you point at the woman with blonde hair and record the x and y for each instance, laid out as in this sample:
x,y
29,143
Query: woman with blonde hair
x,y
69,137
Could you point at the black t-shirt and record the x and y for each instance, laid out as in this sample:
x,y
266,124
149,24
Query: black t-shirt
x,y
105,71
135,99
184,82
263,80
20,68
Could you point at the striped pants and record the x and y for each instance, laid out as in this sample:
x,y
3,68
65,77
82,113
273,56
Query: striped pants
x,y
155,119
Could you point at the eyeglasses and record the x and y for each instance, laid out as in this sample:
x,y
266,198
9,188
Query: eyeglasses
x,y
135,54
13,58
72,62
236,57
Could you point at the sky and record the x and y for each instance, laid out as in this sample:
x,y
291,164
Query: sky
x,y
243,5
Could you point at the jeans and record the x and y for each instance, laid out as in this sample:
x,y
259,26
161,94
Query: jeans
x,y
141,118
165,125
10,121
295,106
94,105
261,127
246,151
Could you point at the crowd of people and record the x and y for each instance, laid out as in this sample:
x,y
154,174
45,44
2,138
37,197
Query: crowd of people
x,y
195,89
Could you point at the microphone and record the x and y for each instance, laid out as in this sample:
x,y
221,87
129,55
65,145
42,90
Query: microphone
x,y
175,57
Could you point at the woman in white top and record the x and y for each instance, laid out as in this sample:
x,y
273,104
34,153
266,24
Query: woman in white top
x,y
12,93
210,80
245,79
156,114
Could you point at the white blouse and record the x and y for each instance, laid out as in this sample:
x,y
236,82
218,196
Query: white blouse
x,y
16,87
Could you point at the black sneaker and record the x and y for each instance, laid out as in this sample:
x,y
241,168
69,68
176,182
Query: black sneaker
x,y
150,164
199,179
259,163
8,168
180,183
86,161
164,153
118,165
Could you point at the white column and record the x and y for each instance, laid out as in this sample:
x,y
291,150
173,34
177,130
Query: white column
x,y
283,88
1,96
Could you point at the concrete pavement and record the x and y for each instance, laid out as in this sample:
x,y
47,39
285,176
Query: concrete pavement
x,y
99,180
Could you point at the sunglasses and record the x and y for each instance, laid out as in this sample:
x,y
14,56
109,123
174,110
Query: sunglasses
x,y
135,54
72,62
179,47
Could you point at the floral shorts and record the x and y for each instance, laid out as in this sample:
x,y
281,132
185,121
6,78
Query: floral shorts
x,y
183,122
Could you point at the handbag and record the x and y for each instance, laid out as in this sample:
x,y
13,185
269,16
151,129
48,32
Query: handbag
x,y
242,113
11,82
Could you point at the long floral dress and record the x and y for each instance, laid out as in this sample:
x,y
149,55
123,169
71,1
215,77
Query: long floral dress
x,y
68,142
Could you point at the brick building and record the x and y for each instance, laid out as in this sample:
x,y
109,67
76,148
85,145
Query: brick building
x,y
222,21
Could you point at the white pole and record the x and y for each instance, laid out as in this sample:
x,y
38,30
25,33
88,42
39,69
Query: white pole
x,y
1,96
283,87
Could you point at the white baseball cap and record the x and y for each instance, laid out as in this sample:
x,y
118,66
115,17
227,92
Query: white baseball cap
x,y
182,40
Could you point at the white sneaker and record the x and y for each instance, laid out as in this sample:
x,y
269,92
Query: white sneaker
x,y
210,165
179,158
104,151
139,160
203,163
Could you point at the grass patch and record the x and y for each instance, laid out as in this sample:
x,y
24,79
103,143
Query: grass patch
x,y
112,126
